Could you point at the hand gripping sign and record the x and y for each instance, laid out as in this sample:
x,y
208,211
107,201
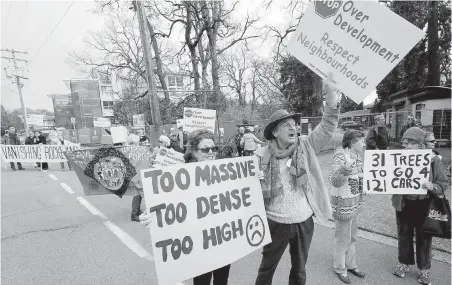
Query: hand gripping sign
x,y
396,171
206,215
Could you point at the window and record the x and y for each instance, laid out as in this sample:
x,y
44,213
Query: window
x,y
419,108
171,81
175,82
180,82
108,105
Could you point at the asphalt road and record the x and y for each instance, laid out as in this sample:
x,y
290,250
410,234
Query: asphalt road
x,y
49,236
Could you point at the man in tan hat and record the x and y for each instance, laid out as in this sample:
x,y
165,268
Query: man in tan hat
x,y
293,188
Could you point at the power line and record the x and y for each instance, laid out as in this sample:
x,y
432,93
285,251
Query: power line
x,y
9,90
52,31
7,18
78,32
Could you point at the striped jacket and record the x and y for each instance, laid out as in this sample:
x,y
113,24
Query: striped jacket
x,y
347,185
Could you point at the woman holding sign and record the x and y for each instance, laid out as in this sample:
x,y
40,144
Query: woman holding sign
x,y
346,201
412,210
201,147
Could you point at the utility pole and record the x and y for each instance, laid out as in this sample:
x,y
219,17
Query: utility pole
x,y
145,40
17,76
433,77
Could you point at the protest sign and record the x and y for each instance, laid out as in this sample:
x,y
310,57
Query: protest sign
x,y
168,156
138,121
37,120
207,215
119,134
112,170
195,119
36,153
101,122
396,171
358,42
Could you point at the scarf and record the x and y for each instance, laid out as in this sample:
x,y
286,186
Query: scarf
x,y
270,166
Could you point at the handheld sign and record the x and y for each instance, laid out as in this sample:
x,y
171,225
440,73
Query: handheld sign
x,y
167,156
358,42
396,171
195,119
36,153
206,215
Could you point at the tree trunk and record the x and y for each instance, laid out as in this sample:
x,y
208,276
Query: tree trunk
x,y
193,57
433,78
160,74
212,35
204,63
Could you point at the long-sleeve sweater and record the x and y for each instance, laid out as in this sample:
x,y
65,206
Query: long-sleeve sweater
x,y
316,191
347,184
437,177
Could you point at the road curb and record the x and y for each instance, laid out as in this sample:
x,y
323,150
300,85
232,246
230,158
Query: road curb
x,y
437,254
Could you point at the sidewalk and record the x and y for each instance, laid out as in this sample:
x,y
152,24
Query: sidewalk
x,y
376,259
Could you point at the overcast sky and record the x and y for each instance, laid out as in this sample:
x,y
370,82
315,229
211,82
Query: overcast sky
x,y
25,25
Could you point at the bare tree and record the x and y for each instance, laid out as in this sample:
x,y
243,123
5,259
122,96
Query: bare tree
x,y
234,68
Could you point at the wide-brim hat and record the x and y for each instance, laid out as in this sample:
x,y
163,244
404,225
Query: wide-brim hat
x,y
277,117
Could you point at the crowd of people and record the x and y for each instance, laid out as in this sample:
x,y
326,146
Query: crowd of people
x,y
294,191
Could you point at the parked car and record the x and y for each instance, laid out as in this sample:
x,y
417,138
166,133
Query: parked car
x,y
352,125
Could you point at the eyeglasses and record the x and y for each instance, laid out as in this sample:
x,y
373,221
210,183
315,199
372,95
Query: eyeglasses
x,y
208,149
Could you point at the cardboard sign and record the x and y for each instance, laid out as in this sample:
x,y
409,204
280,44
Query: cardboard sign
x,y
138,121
359,42
36,153
101,122
37,120
167,156
396,171
207,215
195,119
111,170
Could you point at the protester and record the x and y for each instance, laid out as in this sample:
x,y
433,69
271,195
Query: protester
x,y
201,147
62,141
346,201
143,138
378,137
11,138
30,138
411,211
293,194
249,142
134,139
238,139
174,144
410,122
40,139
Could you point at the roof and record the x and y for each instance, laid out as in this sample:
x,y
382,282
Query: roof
x,y
433,92
356,113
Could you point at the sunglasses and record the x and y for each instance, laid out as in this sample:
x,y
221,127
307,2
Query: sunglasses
x,y
208,149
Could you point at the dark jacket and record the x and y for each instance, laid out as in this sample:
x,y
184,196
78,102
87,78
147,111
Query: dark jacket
x,y
41,139
29,140
437,177
11,139
377,138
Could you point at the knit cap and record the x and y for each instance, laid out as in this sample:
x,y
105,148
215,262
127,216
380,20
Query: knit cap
x,y
416,134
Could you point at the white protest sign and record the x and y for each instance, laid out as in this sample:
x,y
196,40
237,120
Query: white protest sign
x,y
195,119
207,215
167,156
119,134
36,153
396,171
37,120
358,42
101,122
138,121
